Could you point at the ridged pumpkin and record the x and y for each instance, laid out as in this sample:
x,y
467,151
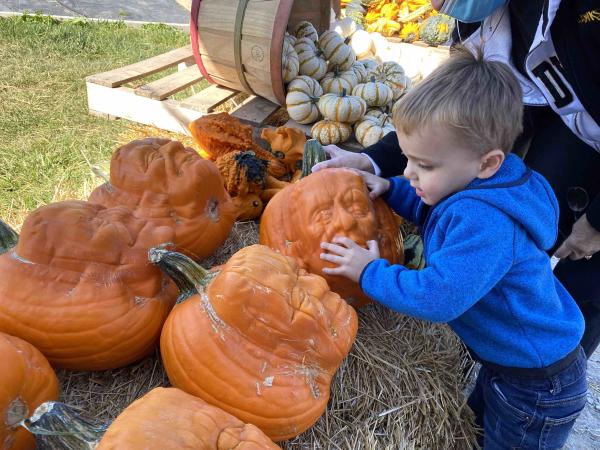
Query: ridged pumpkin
x,y
374,93
287,143
306,29
168,184
362,44
248,206
290,63
336,51
331,132
310,57
371,130
78,285
342,107
26,381
393,75
290,38
262,340
328,203
337,81
170,419
382,117
302,100
361,71
436,30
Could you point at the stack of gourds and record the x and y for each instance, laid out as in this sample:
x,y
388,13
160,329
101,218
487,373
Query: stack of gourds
x,y
336,84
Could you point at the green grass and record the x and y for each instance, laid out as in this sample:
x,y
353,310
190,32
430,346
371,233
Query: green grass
x,y
47,138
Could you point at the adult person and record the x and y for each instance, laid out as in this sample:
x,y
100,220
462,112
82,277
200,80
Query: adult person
x,y
552,47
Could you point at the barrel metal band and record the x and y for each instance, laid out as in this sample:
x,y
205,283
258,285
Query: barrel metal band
x,y
237,44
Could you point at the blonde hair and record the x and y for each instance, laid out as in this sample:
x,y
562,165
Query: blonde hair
x,y
477,100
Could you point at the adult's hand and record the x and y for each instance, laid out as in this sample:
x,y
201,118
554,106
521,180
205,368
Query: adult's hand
x,y
344,158
583,241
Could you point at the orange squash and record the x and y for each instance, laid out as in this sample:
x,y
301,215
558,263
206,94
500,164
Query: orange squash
x,y
248,207
26,381
287,143
170,419
261,340
325,204
168,184
78,285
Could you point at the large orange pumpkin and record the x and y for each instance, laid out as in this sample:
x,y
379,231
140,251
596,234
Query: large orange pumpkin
x,y
170,419
78,285
262,340
26,381
325,204
169,184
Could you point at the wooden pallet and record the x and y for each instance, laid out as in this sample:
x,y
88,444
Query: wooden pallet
x,y
150,103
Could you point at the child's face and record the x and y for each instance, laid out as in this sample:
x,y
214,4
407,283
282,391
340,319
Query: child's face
x,y
437,164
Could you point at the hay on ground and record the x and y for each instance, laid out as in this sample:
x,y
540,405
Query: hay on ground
x,y
400,387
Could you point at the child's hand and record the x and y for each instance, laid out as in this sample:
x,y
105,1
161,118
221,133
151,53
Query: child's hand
x,y
349,256
376,185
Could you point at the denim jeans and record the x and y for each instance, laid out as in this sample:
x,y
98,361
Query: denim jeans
x,y
522,413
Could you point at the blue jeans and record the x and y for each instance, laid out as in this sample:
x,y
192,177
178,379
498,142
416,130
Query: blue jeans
x,y
522,413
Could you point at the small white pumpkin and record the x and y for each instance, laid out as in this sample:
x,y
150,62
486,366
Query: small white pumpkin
x,y
290,64
360,71
379,116
362,44
342,107
310,59
370,63
302,100
374,93
290,38
336,82
336,51
392,74
306,29
331,132
345,27
369,131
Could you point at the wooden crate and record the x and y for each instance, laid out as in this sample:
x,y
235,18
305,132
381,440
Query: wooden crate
x,y
150,103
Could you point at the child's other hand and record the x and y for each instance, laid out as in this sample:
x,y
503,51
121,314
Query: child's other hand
x,y
376,185
349,256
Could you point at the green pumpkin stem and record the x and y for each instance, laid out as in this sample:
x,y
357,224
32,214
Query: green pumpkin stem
x,y
8,237
343,94
189,276
313,154
56,425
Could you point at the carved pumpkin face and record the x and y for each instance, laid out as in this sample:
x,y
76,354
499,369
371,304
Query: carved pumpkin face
x,y
78,285
288,145
329,203
262,341
169,184
26,381
179,420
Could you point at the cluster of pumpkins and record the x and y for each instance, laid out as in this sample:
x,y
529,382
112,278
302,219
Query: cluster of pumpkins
x,y
250,347
335,82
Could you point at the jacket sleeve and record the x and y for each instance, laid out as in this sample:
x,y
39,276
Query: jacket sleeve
x,y
402,198
387,155
476,253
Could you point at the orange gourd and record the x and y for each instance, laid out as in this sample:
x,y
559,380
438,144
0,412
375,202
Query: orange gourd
x,y
26,381
78,285
171,185
248,207
170,419
325,204
261,339
287,143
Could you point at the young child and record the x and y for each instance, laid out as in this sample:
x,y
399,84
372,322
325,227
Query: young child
x,y
486,221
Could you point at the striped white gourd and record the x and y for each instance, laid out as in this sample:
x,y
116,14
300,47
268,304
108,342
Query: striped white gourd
x,y
369,131
381,117
360,71
290,38
290,63
374,93
369,63
310,58
342,107
306,29
362,44
302,100
331,132
336,51
345,27
336,82
392,74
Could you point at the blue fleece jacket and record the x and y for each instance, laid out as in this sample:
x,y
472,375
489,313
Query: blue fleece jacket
x,y
487,274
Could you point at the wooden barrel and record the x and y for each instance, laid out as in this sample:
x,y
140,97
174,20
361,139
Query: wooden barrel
x,y
238,43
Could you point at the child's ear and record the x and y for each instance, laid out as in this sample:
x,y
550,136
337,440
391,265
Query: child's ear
x,y
490,163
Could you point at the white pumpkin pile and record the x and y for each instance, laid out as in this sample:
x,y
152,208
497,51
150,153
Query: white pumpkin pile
x,y
335,82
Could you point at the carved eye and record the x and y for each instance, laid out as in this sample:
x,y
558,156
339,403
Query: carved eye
x,y
279,155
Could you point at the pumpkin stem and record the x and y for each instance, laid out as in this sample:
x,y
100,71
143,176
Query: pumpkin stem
x,y
189,276
313,154
100,173
56,425
372,80
343,94
8,237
